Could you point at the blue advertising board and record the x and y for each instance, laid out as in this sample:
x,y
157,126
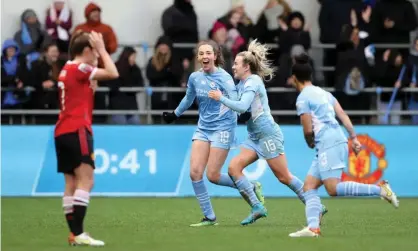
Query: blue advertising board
x,y
154,161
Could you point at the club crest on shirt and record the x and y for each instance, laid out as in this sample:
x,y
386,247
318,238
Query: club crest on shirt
x,y
212,85
360,168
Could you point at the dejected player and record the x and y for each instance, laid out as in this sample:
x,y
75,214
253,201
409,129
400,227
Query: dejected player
x,y
317,109
73,132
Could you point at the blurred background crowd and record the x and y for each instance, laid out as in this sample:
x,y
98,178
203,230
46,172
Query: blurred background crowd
x,y
355,30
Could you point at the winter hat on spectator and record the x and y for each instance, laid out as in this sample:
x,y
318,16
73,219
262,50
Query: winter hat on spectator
x,y
164,40
296,14
28,13
90,8
217,26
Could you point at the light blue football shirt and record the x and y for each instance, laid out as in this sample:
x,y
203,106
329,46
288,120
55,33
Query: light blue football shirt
x,y
213,116
253,97
320,105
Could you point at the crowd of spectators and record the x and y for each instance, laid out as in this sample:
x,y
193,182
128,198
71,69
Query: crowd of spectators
x,y
37,52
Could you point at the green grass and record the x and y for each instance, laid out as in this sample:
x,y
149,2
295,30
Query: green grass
x,y
162,224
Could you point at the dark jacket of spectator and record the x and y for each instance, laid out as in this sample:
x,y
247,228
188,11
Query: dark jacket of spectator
x,y
334,14
388,70
413,68
14,74
163,71
179,23
45,72
129,76
393,20
59,23
295,34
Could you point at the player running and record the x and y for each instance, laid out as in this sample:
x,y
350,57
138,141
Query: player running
x,y
317,109
73,132
265,136
215,132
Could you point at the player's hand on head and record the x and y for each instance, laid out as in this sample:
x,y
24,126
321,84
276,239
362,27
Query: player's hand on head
x,y
215,94
169,117
96,40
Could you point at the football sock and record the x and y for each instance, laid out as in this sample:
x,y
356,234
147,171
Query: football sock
x,y
349,188
246,189
67,205
81,202
204,199
225,180
297,186
313,208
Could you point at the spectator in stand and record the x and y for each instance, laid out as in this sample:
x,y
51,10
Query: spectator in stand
x,y
413,70
129,76
352,72
333,15
59,23
93,22
392,22
163,72
14,75
45,72
390,72
220,36
31,38
237,23
294,33
179,23
267,29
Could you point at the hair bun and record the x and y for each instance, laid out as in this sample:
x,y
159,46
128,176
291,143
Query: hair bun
x,y
302,59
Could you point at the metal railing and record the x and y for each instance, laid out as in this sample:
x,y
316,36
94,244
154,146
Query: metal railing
x,y
149,112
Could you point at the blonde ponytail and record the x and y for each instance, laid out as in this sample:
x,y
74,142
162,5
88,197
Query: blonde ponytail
x,y
256,58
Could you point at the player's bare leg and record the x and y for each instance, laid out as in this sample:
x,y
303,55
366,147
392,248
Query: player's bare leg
x,y
313,208
248,190
85,180
280,169
198,161
67,203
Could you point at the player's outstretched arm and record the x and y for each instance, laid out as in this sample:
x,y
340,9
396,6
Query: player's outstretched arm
x,y
110,71
185,103
240,106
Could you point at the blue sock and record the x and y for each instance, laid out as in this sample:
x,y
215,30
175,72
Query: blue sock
x,y
297,186
349,188
225,180
204,199
313,208
246,189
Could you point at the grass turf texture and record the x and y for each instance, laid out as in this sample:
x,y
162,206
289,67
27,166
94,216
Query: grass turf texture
x,y
163,224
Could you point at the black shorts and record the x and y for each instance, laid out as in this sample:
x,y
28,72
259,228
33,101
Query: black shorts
x,y
73,149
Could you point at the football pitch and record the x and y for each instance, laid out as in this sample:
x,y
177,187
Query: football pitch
x,y
148,224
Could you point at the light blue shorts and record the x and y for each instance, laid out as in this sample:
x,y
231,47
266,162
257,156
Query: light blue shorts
x,y
219,139
268,147
330,162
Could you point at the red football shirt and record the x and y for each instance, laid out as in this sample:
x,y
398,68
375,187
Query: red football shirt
x,y
76,98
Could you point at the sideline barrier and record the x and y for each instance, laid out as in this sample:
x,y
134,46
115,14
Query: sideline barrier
x,y
154,161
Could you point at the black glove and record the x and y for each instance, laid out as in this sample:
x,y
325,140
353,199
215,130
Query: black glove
x,y
244,117
169,117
